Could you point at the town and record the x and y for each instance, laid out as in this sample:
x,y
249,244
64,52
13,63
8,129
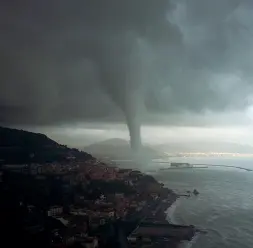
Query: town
x,y
87,202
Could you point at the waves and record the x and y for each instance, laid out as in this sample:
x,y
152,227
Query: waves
x,y
224,207
170,212
224,229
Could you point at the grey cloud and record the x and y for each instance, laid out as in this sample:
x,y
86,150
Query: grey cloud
x,y
70,61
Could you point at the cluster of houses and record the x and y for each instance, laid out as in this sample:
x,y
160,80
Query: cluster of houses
x,y
84,215
79,221
96,169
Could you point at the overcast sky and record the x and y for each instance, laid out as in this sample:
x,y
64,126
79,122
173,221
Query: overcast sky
x,y
170,65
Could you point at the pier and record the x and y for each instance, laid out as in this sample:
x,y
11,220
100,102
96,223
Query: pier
x,y
204,166
223,165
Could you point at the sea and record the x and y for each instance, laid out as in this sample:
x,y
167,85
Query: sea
x,y
224,207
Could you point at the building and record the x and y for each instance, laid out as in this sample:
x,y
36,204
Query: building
x,y
78,211
180,165
36,169
55,211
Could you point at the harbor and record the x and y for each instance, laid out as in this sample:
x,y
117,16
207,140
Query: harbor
x,y
198,166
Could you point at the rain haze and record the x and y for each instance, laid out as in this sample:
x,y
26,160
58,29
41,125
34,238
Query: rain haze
x,y
81,71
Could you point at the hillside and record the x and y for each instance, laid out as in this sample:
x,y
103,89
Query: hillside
x,y
16,146
19,138
120,149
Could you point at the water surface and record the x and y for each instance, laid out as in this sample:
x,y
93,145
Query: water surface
x,y
225,204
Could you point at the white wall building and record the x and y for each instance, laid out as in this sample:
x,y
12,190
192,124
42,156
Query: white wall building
x,y
55,211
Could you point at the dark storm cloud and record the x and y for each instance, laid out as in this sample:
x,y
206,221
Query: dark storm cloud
x,y
49,45
68,61
214,66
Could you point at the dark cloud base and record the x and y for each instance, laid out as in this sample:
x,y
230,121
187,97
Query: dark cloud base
x,y
71,61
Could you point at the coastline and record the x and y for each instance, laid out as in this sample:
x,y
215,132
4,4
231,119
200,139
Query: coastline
x,y
170,217
159,226
101,179
169,212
